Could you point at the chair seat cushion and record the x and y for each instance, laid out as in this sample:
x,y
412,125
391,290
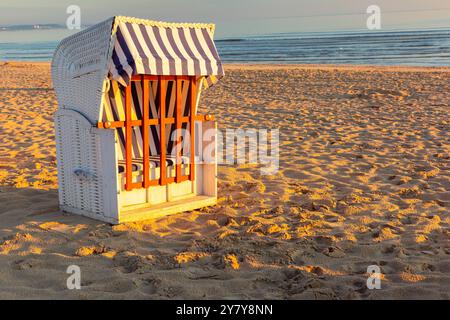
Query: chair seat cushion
x,y
154,163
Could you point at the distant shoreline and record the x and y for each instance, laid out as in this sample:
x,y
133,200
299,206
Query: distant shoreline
x,y
25,27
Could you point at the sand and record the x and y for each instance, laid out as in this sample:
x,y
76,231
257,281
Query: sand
x,y
364,180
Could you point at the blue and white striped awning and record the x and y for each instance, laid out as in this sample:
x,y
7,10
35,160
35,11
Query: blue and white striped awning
x,y
164,49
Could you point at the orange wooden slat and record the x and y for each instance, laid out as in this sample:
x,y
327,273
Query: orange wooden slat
x,y
183,178
145,131
151,122
135,185
193,100
170,180
110,124
178,116
180,179
128,138
140,77
151,183
162,131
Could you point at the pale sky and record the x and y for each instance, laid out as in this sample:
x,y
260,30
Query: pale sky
x,y
240,17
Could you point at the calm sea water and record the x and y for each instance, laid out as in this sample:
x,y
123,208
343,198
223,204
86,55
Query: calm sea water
x,y
425,48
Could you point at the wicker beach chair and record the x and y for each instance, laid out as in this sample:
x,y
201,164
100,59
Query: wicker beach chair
x,y
130,144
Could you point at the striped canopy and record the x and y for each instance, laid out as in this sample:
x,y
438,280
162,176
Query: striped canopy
x,y
145,47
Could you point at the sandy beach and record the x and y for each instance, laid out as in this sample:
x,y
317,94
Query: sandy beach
x,y
364,180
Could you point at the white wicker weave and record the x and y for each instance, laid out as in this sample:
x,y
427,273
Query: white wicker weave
x,y
86,167
79,69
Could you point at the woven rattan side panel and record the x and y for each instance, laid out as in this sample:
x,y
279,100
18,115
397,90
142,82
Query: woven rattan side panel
x,y
79,69
79,166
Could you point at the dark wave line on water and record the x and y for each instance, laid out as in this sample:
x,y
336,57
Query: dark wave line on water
x,y
417,48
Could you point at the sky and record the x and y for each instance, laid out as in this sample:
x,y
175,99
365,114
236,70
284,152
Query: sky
x,y
240,17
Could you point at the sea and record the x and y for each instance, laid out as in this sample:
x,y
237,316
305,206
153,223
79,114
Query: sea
x,y
409,48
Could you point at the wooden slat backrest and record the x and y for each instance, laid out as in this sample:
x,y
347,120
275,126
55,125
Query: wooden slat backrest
x,y
142,114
